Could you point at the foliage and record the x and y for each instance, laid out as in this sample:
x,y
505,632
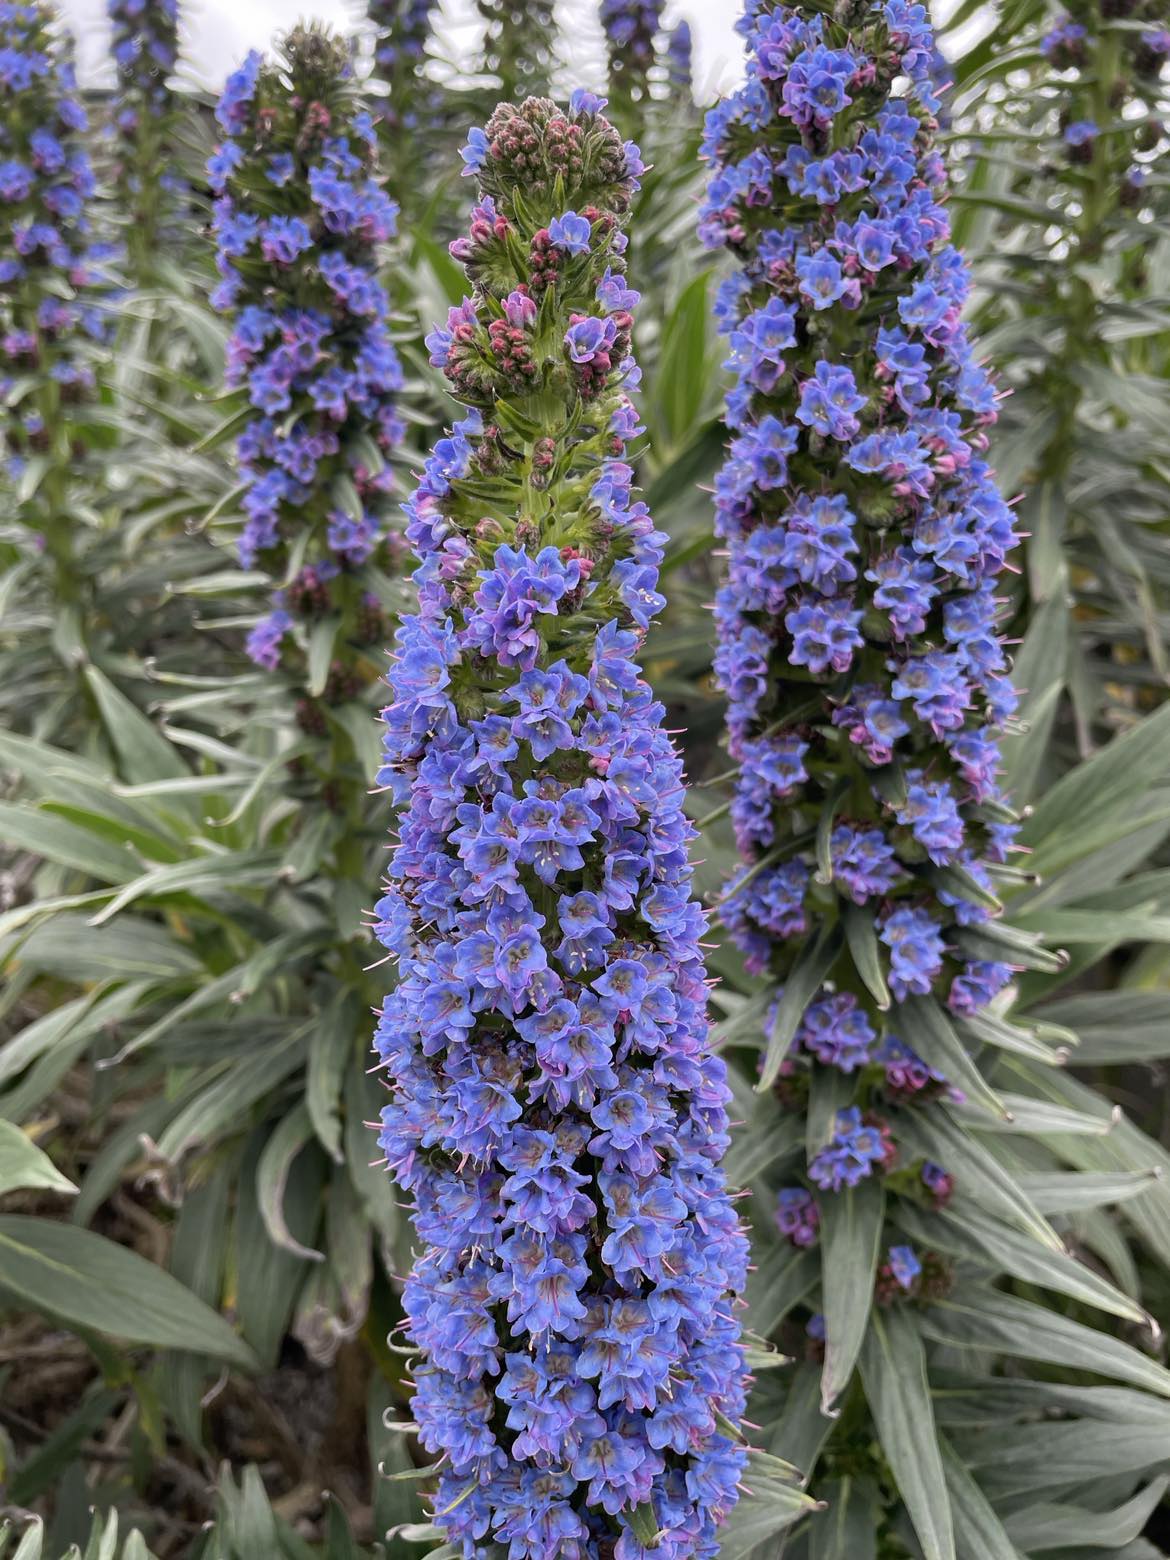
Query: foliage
x,y
189,968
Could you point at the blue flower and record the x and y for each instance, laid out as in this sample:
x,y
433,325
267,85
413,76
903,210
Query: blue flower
x,y
829,400
571,233
904,1265
474,154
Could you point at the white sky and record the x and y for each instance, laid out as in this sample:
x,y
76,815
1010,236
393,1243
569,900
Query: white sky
x,y
220,32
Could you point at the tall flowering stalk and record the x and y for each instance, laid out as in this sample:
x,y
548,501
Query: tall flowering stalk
x,y
631,29
866,678
401,29
145,46
300,220
555,1111
519,44
50,302
858,640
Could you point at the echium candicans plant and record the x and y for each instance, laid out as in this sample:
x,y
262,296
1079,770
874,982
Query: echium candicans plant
x,y
1091,168
867,684
51,311
631,32
519,44
300,222
145,47
555,1111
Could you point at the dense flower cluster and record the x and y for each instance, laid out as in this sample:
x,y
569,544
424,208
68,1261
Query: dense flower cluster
x,y
299,218
555,1111
401,29
859,646
145,46
631,29
50,311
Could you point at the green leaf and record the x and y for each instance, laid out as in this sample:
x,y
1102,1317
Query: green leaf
x,y
814,962
36,468
682,384
322,638
1022,1460
756,1147
134,948
363,1100
893,1373
233,1092
774,1504
143,752
1039,668
47,1049
983,1319
780,1281
1055,1191
979,1534
70,844
206,874
848,1528
1102,789
983,1179
969,1233
1053,1527
198,1251
866,956
330,1047
90,1282
24,1165
851,1233
268,1279
1115,1026
928,1031
272,1175
1040,1118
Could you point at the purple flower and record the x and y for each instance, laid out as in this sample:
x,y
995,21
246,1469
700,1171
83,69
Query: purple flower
x,y
588,336
836,1030
631,27
797,1216
855,1150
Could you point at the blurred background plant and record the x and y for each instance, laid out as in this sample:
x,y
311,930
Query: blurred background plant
x,y
184,1023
